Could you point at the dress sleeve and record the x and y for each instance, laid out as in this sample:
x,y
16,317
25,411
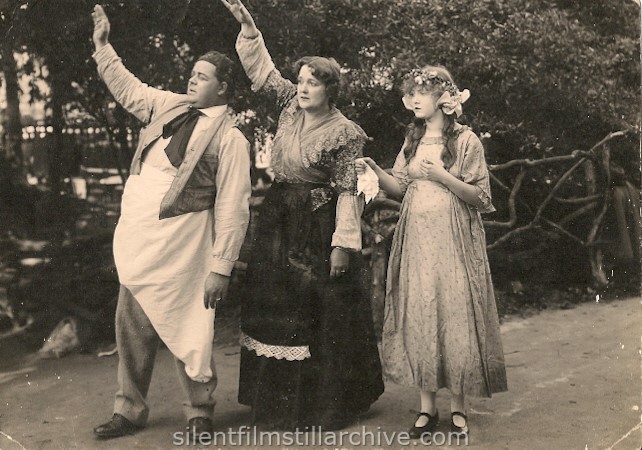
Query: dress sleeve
x,y
400,170
260,69
347,232
474,171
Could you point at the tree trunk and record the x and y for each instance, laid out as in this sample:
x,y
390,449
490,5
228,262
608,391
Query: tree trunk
x,y
55,153
590,177
596,256
378,268
12,138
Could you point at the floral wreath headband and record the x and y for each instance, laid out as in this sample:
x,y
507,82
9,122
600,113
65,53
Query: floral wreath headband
x,y
450,101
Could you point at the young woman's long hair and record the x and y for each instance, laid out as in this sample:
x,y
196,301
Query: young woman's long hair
x,y
417,128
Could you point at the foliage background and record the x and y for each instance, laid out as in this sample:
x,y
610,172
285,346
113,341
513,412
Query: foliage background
x,y
547,77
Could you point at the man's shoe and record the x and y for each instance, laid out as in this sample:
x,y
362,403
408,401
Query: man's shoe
x,y
199,430
118,426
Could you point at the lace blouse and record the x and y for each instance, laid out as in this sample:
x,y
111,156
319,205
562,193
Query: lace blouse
x,y
324,154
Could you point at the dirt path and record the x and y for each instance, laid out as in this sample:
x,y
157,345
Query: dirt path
x,y
574,379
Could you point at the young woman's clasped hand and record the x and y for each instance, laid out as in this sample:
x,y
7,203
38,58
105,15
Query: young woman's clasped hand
x,y
434,172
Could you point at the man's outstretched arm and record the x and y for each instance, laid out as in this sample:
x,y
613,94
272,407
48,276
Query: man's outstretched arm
x,y
135,96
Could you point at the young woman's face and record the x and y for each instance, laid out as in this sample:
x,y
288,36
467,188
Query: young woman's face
x,y
312,93
423,102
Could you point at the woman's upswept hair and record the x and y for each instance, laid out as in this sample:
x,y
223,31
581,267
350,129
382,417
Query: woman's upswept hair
x,y
326,70
417,128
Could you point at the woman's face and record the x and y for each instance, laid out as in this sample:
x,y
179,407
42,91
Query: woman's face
x,y
423,103
312,93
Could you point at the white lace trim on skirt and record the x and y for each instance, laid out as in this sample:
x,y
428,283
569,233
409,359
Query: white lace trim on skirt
x,y
290,353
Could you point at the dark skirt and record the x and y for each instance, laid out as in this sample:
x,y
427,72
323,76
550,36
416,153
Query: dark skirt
x,y
293,301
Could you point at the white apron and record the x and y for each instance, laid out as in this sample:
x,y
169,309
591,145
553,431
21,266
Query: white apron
x,y
164,264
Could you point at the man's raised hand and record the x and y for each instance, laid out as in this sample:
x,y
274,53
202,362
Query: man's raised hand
x,y
101,27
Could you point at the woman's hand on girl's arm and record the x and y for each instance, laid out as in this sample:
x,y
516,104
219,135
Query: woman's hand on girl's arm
x,y
242,16
360,164
386,181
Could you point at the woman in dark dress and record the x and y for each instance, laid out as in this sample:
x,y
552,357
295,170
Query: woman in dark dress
x,y
309,354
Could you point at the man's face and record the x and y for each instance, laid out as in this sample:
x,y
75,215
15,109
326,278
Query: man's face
x,y
204,89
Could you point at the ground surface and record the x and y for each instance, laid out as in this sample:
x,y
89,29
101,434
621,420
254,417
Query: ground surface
x,y
574,379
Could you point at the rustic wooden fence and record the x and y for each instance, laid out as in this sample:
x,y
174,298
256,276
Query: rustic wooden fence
x,y
524,214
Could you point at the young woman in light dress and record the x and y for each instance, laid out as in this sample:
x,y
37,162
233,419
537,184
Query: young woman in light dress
x,y
441,328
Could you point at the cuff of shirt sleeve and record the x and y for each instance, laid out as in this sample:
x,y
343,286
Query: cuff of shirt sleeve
x,y
346,250
249,38
347,239
105,52
346,244
221,266
347,232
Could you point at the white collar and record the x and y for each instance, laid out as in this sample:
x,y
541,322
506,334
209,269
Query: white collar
x,y
214,111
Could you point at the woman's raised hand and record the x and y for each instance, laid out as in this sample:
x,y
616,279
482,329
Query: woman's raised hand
x,y
238,10
242,16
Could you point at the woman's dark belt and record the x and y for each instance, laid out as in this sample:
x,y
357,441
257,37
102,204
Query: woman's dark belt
x,y
320,193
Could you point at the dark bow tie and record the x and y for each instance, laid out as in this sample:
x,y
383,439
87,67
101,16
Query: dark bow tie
x,y
180,128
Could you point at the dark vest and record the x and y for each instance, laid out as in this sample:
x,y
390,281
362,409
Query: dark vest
x,y
194,188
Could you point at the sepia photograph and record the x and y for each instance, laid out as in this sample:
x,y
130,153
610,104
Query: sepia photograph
x,y
323,224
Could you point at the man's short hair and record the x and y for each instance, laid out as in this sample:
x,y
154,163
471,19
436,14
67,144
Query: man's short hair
x,y
225,69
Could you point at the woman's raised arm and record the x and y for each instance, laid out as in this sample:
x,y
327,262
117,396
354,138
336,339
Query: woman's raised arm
x,y
256,59
242,16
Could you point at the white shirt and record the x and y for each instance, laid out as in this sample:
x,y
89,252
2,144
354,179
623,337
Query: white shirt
x,y
232,185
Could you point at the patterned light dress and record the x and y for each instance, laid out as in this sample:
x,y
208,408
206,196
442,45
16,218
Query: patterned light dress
x,y
441,328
